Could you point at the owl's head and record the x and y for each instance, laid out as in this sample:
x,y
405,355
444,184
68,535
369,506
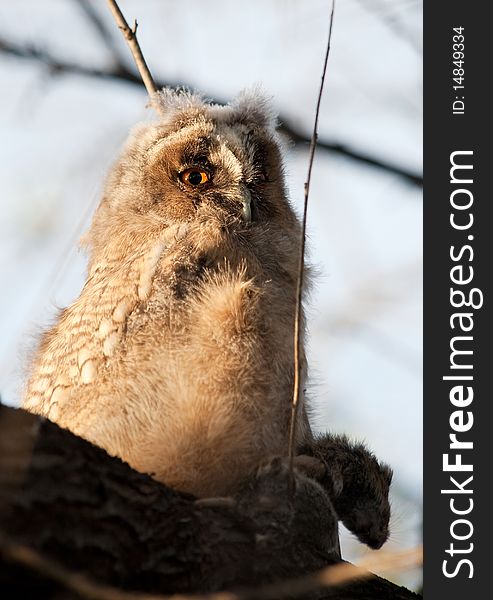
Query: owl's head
x,y
198,162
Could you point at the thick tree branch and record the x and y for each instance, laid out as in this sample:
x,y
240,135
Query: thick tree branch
x,y
121,73
21,556
73,519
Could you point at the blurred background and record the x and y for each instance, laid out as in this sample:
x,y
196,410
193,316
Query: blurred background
x,y
69,96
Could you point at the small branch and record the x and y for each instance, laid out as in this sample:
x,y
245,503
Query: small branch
x,y
301,267
131,37
380,10
121,73
57,66
299,137
99,24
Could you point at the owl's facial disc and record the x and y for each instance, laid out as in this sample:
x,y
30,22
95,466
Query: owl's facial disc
x,y
199,179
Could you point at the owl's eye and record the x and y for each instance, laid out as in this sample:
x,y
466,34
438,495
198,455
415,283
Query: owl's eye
x,y
194,176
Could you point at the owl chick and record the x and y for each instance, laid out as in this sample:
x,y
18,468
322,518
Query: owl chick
x,y
178,354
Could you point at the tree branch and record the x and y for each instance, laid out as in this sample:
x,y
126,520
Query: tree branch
x,y
131,36
301,265
76,520
121,73
99,24
22,556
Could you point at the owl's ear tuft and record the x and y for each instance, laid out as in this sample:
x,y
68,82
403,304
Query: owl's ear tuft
x,y
173,100
253,106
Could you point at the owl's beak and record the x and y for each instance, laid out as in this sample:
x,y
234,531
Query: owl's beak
x,y
247,205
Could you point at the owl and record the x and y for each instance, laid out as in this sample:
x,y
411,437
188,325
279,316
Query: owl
x,y
177,356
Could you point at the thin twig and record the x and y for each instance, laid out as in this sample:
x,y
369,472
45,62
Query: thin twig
x,y
102,29
332,576
301,268
298,137
131,37
121,73
383,11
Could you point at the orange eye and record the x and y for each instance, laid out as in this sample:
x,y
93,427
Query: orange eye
x,y
194,176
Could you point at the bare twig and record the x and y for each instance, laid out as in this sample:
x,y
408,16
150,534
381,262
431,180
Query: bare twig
x,y
131,37
298,137
392,21
105,34
121,73
301,267
332,576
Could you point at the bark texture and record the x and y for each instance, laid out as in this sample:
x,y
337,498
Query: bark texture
x,y
92,514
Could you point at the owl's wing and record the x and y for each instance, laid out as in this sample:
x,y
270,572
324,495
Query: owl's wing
x,y
89,331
